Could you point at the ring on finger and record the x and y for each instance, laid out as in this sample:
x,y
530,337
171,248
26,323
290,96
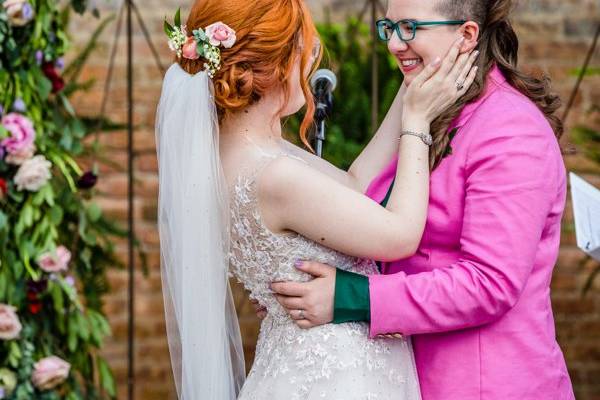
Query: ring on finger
x,y
301,314
460,86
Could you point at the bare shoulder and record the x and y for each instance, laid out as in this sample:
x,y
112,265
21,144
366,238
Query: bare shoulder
x,y
283,176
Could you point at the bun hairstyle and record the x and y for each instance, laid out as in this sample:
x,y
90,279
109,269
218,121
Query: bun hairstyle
x,y
498,45
271,34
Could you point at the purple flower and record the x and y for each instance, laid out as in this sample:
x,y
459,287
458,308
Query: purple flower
x,y
70,280
39,57
27,11
19,106
87,180
60,63
37,286
22,134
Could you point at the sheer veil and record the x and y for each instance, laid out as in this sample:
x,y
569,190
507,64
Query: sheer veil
x,y
193,220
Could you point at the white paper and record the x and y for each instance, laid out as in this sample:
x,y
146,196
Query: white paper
x,y
586,209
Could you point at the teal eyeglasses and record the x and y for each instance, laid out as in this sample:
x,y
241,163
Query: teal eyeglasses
x,y
406,28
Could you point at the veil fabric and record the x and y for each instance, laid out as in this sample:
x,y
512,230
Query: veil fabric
x,y
193,221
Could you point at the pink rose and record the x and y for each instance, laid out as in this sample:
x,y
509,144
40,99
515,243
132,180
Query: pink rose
x,y
20,156
220,34
190,50
22,134
55,262
49,372
33,174
10,326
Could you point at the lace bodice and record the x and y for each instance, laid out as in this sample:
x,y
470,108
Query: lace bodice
x,y
259,256
327,362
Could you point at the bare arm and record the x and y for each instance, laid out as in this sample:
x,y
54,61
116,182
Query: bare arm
x,y
302,200
382,147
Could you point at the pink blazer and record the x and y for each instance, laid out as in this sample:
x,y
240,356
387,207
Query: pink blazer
x,y
476,296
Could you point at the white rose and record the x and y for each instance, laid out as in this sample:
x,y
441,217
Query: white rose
x,y
33,174
19,12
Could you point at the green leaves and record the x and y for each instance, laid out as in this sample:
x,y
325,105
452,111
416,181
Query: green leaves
x,y
170,29
32,223
178,17
106,378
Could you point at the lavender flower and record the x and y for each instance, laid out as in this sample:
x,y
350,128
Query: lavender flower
x,y
27,11
19,106
60,63
70,281
39,57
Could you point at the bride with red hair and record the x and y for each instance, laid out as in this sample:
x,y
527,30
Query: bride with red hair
x,y
236,198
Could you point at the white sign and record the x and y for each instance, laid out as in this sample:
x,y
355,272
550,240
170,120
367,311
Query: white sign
x,y
586,209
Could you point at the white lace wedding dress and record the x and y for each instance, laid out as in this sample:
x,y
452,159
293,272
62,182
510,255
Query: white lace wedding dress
x,y
328,362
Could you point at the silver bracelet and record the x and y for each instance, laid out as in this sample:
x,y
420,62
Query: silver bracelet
x,y
425,137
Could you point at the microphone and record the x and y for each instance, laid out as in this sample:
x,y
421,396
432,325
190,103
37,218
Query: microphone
x,y
324,80
323,84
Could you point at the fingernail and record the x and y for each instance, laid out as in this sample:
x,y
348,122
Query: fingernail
x,y
461,40
436,62
298,264
476,53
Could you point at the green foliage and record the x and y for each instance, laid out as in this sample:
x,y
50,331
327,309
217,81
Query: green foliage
x,y
60,312
348,54
589,140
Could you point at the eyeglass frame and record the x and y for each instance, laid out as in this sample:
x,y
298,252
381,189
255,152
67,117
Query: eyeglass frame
x,y
414,24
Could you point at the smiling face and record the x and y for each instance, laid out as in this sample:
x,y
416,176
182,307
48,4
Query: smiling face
x,y
429,42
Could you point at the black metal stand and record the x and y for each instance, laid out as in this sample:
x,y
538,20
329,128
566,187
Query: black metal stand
x,y
131,226
131,9
374,6
323,111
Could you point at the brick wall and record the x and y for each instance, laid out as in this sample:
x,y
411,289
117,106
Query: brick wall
x,y
555,35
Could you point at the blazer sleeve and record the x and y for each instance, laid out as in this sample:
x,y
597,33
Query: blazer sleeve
x,y
512,177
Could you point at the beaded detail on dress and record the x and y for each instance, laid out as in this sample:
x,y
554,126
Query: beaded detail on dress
x,y
327,362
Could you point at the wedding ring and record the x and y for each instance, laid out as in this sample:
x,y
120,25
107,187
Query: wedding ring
x,y
460,86
301,314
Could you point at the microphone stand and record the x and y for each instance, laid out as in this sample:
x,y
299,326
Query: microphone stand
x,y
324,103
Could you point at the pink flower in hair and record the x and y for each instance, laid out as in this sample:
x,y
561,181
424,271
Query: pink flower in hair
x,y
220,34
190,49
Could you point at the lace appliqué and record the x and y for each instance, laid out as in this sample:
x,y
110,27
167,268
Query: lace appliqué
x,y
310,363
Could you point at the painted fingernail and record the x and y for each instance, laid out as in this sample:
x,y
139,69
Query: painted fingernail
x,y
476,53
298,264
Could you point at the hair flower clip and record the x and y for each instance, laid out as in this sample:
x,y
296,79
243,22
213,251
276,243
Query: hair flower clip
x,y
204,43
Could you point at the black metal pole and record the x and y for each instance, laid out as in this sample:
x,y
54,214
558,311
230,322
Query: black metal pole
x,y
130,210
582,72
